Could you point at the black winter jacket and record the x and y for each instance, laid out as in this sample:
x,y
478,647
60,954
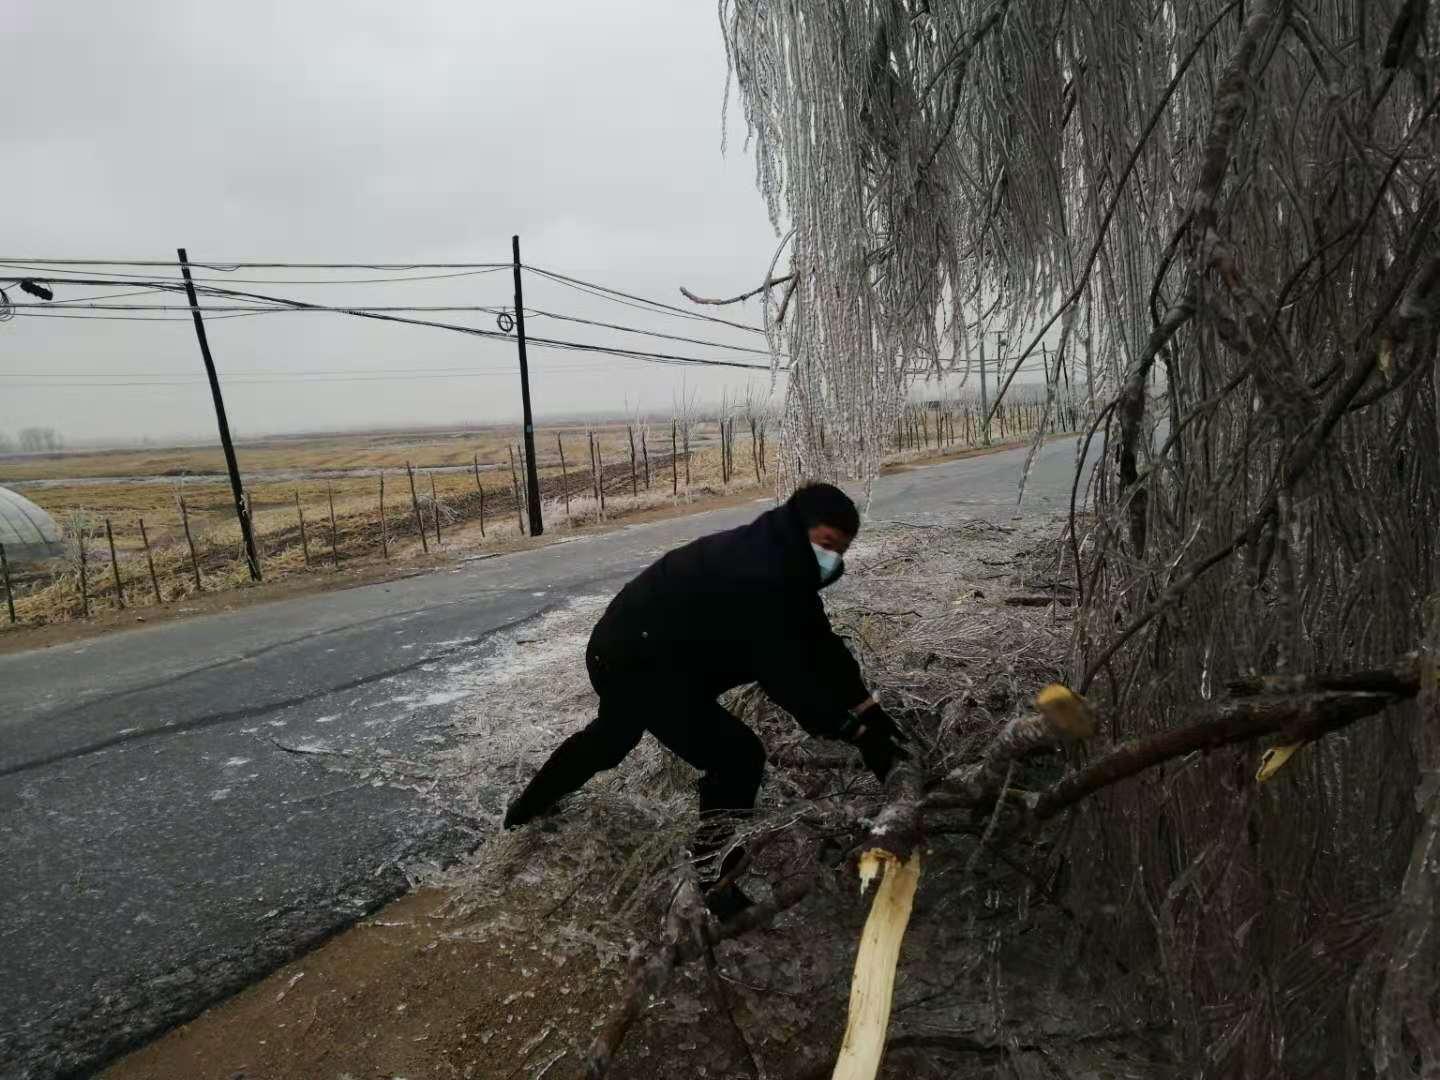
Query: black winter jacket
x,y
736,607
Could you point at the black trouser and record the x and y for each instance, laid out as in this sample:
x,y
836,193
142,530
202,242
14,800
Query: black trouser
x,y
687,722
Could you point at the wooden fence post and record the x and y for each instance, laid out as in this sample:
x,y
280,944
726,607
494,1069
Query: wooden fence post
x,y
600,476
724,456
334,538
435,508
115,566
190,540
481,489
564,475
150,561
304,538
415,505
84,576
384,525
515,483
634,485
9,592
594,475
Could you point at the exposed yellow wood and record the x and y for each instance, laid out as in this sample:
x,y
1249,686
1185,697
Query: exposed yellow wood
x,y
1274,759
873,985
1069,713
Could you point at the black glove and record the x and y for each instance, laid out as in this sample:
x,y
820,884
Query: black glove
x,y
879,741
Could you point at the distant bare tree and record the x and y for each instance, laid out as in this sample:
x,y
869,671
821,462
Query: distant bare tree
x,y
756,411
687,404
639,431
7,444
34,440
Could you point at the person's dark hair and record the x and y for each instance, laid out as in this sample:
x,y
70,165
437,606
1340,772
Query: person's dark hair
x,y
825,504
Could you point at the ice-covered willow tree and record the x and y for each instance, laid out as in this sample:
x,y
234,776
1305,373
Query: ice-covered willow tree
x,y
1228,212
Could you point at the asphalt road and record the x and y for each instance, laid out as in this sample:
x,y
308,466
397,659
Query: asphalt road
x,y
164,838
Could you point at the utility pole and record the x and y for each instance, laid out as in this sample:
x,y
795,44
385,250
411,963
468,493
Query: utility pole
x,y
532,477
984,399
242,511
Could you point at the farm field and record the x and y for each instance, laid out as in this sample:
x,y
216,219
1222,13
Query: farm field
x,y
316,500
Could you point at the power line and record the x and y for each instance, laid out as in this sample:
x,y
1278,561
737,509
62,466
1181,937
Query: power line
x,y
341,309
631,300
126,318
231,381
35,269
361,312
225,265
120,379
648,333
87,304
388,372
106,296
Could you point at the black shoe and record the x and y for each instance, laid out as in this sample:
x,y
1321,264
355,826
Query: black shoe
x,y
522,812
728,902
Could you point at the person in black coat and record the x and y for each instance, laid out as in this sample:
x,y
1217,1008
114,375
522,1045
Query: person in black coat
x,y
736,607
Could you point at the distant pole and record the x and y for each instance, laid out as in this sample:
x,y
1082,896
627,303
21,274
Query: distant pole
x,y
9,592
415,503
435,507
115,565
190,542
532,478
304,539
600,476
242,511
475,460
334,539
384,527
519,502
564,475
984,398
150,561
594,474
84,576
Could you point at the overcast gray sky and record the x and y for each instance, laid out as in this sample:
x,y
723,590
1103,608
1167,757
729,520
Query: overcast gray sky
x,y
361,131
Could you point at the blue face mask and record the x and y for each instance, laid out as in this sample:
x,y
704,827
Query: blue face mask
x,y
830,563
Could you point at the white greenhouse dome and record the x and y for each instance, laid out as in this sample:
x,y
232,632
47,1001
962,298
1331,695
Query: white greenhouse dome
x,y
28,533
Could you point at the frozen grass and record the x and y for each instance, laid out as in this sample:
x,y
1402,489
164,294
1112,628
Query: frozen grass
x,y
956,664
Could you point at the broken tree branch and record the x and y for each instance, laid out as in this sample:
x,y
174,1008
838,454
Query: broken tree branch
x,y
873,986
891,852
1301,718
770,283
